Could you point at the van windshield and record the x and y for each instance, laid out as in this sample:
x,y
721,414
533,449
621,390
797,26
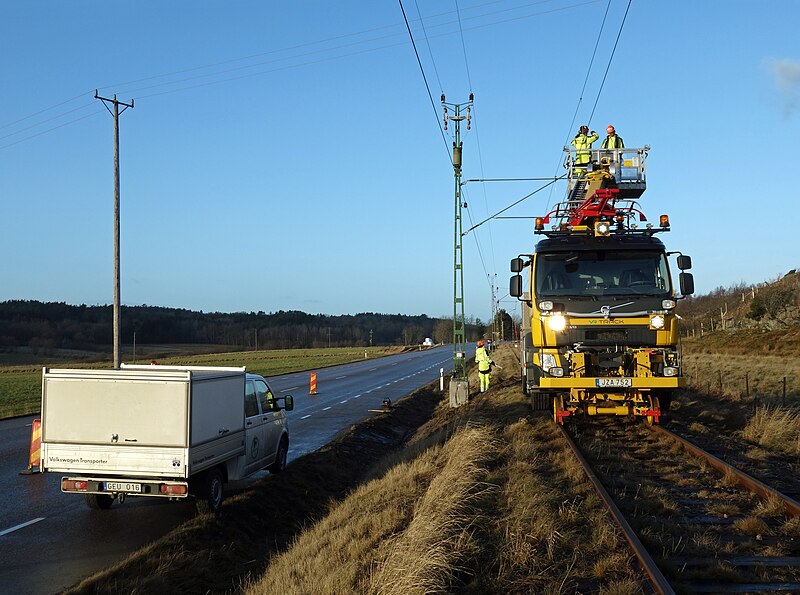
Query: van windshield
x,y
602,272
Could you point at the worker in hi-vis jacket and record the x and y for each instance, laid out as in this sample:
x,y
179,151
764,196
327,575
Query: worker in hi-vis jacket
x,y
484,366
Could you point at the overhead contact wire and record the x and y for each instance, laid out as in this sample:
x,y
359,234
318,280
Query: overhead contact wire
x,y
427,87
611,58
430,51
583,90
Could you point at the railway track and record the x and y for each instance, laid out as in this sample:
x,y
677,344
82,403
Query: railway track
x,y
696,524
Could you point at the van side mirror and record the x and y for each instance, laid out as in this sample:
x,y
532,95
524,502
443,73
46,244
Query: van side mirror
x,y
288,402
684,262
687,283
515,287
516,265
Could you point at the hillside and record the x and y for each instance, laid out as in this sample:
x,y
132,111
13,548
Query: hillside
x,y
768,306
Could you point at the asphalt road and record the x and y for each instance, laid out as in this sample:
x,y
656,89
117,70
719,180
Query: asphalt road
x,y
50,541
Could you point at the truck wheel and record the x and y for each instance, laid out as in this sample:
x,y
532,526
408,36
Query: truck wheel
x,y
280,458
99,501
209,498
654,404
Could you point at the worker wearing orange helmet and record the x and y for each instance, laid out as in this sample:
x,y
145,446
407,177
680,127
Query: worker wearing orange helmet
x,y
484,366
613,141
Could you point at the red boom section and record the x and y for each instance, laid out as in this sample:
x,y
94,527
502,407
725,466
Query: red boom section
x,y
599,205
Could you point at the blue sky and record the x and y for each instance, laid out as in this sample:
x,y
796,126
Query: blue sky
x,y
305,168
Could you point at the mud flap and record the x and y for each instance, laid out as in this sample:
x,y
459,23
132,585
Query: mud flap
x,y
541,401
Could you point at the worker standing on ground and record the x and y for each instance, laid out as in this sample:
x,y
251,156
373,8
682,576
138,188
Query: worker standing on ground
x,y
583,146
484,366
613,141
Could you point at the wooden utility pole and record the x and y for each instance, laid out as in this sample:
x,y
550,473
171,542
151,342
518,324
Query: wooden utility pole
x,y
116,114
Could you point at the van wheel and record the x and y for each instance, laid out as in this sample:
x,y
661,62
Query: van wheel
x,y
280,458
99,501
209,498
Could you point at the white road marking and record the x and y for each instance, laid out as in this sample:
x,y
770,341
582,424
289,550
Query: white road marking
x,y
326,408
372,369
12,529
340,377
343,402
286,390
356,396
306,416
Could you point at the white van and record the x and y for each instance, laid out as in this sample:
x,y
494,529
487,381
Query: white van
x,y
161,431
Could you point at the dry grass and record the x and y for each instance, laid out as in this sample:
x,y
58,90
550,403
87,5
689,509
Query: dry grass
x,y
775,428
428,554
410,524
729,375
752,526
772,507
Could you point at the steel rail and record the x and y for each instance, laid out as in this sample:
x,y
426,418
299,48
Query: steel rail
x,y
654,575
745,480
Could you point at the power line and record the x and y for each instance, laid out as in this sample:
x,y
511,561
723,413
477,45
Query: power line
x,y
21,130
430,51
463,46
613,51
483,187
515,203
427,87
583,89
291,66
477,244
47,109
49,130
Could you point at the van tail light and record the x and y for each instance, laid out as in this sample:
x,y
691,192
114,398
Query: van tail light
x,y
72,485
173,489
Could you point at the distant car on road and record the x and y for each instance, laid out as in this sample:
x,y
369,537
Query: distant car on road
x,y
428,342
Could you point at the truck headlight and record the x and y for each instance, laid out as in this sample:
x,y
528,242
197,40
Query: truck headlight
x,y
557,372
548,361
670,371
557,322
545,305
668,304
657,322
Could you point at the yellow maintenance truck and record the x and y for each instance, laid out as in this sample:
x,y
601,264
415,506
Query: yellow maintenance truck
x,y
601,334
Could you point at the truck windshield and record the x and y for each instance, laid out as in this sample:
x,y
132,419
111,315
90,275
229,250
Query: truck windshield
x,y
602,272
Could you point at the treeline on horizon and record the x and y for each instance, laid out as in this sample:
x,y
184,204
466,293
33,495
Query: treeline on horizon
x,y
57,325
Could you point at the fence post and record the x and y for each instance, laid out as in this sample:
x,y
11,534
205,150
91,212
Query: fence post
x,y
783,400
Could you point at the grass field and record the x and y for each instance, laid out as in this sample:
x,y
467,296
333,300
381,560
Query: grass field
x,y
21,385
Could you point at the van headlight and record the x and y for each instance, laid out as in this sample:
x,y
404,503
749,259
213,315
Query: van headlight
x,y
557,322
657,322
